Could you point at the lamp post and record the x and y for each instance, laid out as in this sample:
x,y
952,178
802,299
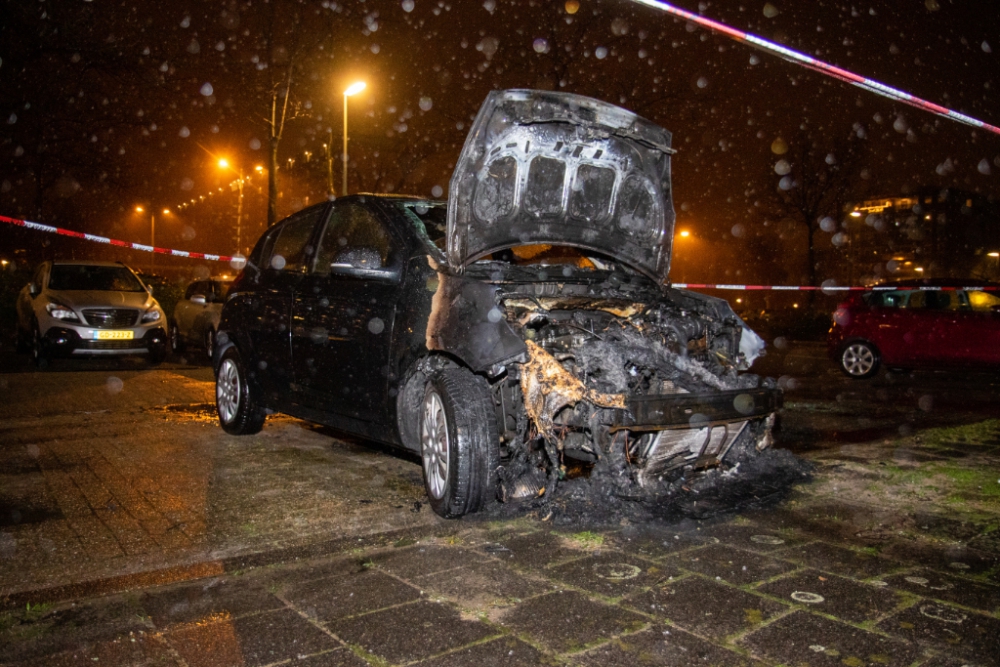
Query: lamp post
x,y
152,235
353,89
238,184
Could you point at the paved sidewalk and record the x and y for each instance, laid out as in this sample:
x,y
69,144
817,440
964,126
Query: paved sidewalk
x,y
819,580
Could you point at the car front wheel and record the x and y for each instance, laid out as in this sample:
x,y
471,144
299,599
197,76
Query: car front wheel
x,y
236,401
38,352
458,443
859,359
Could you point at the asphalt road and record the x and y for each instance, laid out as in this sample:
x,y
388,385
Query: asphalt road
x,y
134,531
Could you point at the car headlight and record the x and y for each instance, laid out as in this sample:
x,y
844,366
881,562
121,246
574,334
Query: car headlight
x,y
151,315
61,312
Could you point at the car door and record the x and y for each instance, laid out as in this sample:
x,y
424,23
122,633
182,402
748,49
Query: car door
x,y
343,315
284,262
187,310
974,329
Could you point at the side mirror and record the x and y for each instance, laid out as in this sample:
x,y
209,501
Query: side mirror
x,y
149,288
33,289
198,298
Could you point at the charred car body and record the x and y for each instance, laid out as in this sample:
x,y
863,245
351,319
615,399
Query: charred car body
x,y
523,331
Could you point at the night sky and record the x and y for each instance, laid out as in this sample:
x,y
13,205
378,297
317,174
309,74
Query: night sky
x,y
109,105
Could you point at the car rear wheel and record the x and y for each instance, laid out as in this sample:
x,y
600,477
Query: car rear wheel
x,y
210,342
458,442
236,401
176,343
859,359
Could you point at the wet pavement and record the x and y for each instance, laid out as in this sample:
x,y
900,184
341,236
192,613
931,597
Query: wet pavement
x,y
133,531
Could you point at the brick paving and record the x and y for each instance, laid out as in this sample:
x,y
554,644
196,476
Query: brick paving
x,y
146,545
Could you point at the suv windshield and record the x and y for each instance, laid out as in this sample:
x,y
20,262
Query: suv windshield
x,y
88,277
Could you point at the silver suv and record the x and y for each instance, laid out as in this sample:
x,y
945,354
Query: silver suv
x,y
89,309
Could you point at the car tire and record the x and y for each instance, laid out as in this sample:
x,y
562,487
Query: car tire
x,y
38,353
236,400
459,445
859,359
210,342
176,342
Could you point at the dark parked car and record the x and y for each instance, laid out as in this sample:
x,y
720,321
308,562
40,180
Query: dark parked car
x,y
517,334
917,324
75,308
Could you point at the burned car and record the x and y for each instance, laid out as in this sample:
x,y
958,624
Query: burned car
x,y
522,332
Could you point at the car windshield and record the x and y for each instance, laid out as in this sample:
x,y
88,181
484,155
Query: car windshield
x,y
96,278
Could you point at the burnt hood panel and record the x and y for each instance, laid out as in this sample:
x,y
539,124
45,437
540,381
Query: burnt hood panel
x,y
562,169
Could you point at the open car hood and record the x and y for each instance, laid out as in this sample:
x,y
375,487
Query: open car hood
x,y
542,167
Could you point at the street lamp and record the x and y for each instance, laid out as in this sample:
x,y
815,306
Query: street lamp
x,y
241,179
152,234
352,89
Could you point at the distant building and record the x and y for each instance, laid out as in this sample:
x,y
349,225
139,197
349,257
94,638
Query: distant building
x,y
933,233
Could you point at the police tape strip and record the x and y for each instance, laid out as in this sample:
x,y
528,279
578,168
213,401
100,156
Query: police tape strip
x,y
819,66
226,258
839,288
116,242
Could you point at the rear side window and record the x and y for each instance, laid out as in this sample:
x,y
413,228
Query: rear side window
x,y
886,299
983,301
290,250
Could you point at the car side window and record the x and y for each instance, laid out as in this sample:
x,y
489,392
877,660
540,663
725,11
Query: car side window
x,y
290,251
886,299
983,302
354,237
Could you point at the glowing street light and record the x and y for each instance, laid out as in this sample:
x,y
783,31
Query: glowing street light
x,y
352,89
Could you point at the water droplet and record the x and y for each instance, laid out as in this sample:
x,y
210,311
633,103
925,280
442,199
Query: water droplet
x,y
572,6
184,132
600,53
255,144
407,6
278,262
770,11
779,147
984,167
437,191
782,167
376,325
540,45
238,261
426,103
207,89
702,82
828,224
926,403
114,385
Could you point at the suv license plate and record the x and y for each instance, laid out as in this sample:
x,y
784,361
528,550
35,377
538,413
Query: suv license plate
x,y
113,335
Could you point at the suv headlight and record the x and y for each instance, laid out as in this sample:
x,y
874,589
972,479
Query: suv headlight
x,y
61,312
151,315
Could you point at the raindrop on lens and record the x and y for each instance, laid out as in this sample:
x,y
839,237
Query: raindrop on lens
x,y
600,53
926,403
278,262
207,89
426,103
779,147
238,261
540,45
839,239
782,167
828,224
376,325
984,167
437,191
407,6
114,385
494,315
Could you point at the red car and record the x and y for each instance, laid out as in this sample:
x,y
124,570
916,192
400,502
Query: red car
x,y
917,324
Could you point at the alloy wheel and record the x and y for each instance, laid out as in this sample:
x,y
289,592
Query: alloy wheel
x,y
227,390
858,359
434,444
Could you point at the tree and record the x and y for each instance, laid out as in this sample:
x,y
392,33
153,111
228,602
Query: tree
x,y
816,182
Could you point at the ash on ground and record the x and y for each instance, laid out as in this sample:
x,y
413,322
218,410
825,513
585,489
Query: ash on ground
x,y
757,482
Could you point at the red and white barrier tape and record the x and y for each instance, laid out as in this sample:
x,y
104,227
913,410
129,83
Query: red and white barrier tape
x,y
115,242
226,258
820,66
837,288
